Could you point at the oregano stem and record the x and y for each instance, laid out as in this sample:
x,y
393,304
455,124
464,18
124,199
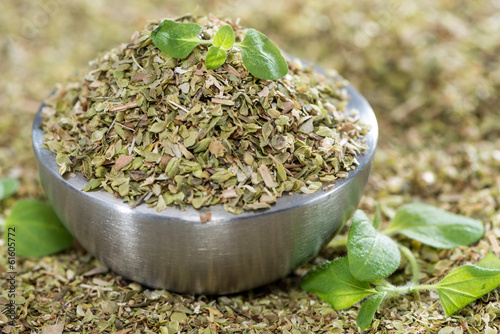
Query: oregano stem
x,y
392,290
382,282
338,242
415,268
389,231
423,287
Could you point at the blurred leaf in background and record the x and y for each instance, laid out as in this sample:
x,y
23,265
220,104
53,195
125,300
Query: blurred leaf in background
x,y
37,230
8,187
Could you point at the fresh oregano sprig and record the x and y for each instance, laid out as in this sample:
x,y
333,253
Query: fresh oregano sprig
x,y
260,56
373,256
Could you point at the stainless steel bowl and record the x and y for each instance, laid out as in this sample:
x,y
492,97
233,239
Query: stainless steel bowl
x,y
174,250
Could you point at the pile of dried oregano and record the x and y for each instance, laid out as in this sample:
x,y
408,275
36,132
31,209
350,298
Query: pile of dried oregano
x,y
164,131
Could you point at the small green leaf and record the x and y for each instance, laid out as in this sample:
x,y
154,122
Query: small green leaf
x,y
490,261
466,284
215,57
224,38
92,184
8,187
334,283
37,230
435,227
368,309
176,39
261,57
372,255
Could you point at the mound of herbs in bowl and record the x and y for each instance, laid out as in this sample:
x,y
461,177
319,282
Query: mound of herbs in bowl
x,y
199,111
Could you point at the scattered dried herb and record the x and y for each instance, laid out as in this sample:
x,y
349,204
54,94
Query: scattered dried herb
x,y
151,128
373,256
397,71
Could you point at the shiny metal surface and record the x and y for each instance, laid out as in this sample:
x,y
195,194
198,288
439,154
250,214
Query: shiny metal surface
x,y
175,251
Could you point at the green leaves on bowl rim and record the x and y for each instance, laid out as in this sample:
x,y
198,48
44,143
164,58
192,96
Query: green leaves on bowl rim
x,y
260,56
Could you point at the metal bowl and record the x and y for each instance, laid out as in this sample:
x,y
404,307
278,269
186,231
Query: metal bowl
x,y
174,250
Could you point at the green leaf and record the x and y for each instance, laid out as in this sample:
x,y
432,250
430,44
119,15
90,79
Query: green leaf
x,y
37,230
261,57
368,309
466,284
176,39
92,184
224,38
215,57
372,255
435,227
8,187
490,261
334,283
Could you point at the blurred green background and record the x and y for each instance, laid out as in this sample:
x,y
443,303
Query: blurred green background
x,y
429,68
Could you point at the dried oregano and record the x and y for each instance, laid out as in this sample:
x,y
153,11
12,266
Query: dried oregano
x,y
151,128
